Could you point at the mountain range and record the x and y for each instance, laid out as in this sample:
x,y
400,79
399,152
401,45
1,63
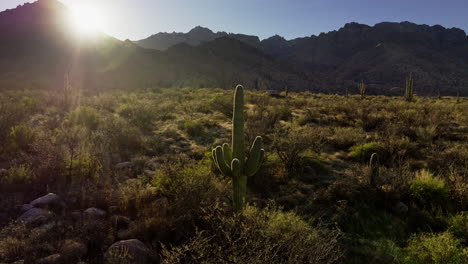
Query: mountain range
x,y
38,47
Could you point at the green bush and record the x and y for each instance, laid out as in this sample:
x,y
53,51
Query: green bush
x,y
363,152
429,191
458,225
442,248
194,128
19,175
260,236
85,116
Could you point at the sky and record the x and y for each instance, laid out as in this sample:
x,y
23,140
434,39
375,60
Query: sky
x,y
137,19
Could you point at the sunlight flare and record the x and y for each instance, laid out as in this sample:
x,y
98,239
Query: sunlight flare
x,y
88,19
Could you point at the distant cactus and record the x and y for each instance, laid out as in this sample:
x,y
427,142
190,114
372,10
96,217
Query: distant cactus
x,y
373,168
409,88
286,91
231,162
362,89
346,92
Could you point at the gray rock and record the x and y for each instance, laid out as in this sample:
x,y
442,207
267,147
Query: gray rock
x,y
35,216
26,207
128,251
94,213
52,259
3,172
123,234
45,200
401,208
149,172
72,251
48,201
18,262
76,215
120,221
124,165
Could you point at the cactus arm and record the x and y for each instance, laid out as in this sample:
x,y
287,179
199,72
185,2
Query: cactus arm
x,y
238,126
253,161
374,168
227,153
236,185
220,162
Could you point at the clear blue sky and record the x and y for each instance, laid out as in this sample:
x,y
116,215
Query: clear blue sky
x,y
136,19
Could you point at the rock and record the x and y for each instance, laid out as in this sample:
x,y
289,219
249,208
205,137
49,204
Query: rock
x,y
128,251
124,165
123,234
119,221
26,207
113,209
94,213
3,172
73,251
46,228
149,172
35,216
76,215
45,200
18,262
49,201
52,259
401,208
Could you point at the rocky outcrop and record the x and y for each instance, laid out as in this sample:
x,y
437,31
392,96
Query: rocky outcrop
x,y
35,216
128,251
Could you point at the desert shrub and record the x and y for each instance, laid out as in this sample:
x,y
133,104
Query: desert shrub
x,y
384,251
19,175
290,142
190,185
426,133
20,138
260,236
139,113
442,248
458,225
363,152
194,128
11,248
429,191
85,116
345,137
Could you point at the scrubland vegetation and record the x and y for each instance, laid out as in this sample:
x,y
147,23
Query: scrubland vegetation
x,y
145,159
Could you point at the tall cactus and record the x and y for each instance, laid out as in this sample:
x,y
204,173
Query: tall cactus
x,y
409,88
231,161
362,89
373,168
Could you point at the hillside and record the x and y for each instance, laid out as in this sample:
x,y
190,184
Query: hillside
x,y
39,46
382,56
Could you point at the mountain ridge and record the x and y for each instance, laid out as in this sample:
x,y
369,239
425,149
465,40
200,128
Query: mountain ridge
x,y
41,47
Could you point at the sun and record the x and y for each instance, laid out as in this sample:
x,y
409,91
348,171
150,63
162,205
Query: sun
x,y
87,19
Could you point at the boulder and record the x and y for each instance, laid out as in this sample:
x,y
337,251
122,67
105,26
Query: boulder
x,y
401,208
25,207
94,213
52,259
73,251
119,221
48,201
35,216
3,172
124,165
128,251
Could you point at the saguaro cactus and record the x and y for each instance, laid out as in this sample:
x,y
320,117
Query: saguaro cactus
x,y
373,168
231,161
362,89
409,88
